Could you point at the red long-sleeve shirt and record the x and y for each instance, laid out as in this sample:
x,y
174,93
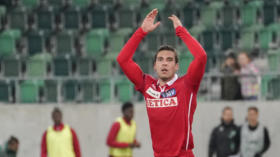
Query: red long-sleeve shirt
x,y
170,108
76,145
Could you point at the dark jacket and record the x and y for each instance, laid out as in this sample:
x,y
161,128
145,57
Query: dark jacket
x,y
224,140
231,88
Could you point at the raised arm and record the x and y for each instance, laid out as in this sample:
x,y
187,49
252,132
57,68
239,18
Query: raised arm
x,y
197,67
129,67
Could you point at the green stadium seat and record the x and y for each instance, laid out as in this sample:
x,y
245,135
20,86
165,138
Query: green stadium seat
x,y
126,18
72,18
229,16
35,42
170,39
269,13
197,30
69,90
29,91
5,90
107,2
81,3
166,23
105,67
153,41
11,67
18,18
56,3
248,37
88,90
2,11
189,13
64,43
124,90
159,4
95,41
208,39
265,38
264,85
61,66
104,90
36,66
227,38
185,58
45,18
51,91
273,57
98,18
84,66
117,39
30,3
274,88
8,40
131,3
249,13
210,13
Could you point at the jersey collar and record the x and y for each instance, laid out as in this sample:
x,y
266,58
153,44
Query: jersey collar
x,y
169,83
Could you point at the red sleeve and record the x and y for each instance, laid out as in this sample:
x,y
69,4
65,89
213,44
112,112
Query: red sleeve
x,y
111,139
197,67
44,152
129,67
76,144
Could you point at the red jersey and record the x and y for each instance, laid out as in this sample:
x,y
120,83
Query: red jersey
x,y
170,107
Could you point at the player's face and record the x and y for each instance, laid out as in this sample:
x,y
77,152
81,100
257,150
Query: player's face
x,y
57,118
128,113
227,116
252,117
165,65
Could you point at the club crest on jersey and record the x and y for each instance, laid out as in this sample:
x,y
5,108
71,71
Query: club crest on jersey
x,y
153,93
163,102
168,93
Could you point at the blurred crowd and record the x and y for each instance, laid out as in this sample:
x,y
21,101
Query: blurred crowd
x,y
240,79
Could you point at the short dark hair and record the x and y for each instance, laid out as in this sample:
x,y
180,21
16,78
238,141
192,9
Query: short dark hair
x,y
13,139
227,108
126,105
56,110
253,108
168,48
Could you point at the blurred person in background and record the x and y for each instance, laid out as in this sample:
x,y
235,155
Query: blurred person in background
x,y
122,136
231,89
225,139
248,79
11,148
60,140
255,139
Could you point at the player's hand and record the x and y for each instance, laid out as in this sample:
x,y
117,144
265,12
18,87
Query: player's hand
x,y
176,21
137,144
148,24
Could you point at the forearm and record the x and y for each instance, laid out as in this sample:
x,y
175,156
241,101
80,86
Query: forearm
x,y
130,47
193,45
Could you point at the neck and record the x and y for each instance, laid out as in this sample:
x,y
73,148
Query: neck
x,y
57,124
162,82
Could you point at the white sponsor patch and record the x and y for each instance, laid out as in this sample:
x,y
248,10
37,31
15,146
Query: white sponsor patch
x,y
153,93
163,102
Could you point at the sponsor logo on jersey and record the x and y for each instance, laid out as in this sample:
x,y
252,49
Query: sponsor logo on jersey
x,y
153,93
169,93
163,102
